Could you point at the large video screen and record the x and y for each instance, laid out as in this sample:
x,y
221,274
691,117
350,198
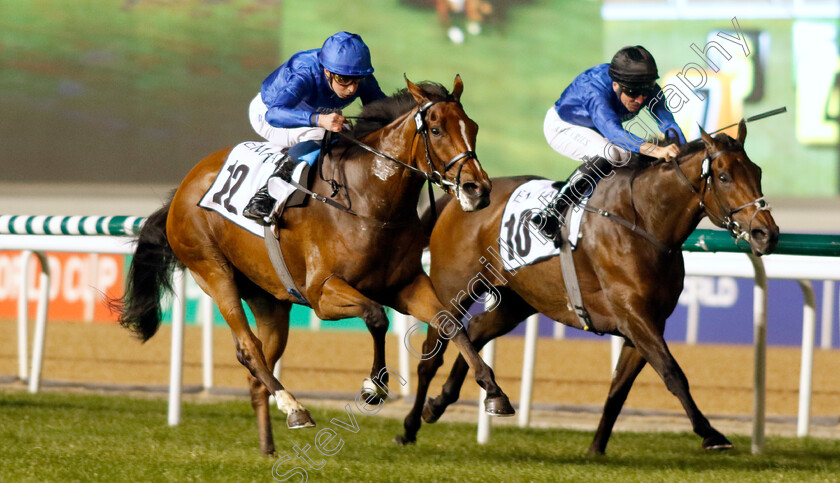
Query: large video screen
x,y
731,60
138,91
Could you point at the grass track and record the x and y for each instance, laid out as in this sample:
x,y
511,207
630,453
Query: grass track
x,y
70,437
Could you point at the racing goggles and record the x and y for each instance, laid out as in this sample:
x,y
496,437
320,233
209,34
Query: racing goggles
x,y
636,91
347,80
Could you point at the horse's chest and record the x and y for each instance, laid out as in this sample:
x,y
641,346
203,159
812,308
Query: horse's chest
x,y
382,260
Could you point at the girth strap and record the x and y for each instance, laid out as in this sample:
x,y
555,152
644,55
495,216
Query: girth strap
x,y
276,256
567,268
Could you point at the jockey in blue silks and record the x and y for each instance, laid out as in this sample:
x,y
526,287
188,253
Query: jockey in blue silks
x,y
585,124
303,98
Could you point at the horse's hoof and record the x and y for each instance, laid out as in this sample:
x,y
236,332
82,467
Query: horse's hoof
x,y
299,419
430,415
717,442
498,406
373,393
402,440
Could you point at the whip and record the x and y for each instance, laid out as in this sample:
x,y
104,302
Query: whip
x,y
773,112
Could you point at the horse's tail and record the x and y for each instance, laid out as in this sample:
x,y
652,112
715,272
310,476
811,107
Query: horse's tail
x,y
149,277
427,221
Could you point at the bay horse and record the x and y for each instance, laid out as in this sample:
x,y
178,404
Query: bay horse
x,y
629,285
346,265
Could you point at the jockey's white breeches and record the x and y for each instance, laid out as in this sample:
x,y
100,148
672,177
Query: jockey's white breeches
x,y
282,137
578,142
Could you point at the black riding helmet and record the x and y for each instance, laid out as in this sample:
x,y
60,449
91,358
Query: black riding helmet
x,y
633,67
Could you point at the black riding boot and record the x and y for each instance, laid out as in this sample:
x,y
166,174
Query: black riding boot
x,y
260,206
572,192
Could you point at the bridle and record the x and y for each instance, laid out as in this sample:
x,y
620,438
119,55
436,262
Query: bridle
x,y
707,180
433,176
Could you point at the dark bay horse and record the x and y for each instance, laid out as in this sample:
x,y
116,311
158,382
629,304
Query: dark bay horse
x,y
629,285
345,265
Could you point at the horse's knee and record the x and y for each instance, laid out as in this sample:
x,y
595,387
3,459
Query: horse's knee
x,y
376,320
249,355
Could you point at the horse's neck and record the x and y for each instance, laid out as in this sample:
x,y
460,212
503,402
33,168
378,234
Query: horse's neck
x,y
378,187
670,209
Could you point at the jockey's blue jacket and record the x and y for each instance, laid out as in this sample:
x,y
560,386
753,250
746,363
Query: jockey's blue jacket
x,y
298,90
590,101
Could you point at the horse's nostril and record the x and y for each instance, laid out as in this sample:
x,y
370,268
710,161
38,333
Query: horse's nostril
x,y
759,234
471,189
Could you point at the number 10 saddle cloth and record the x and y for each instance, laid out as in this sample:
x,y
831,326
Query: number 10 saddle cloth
x,y
520,243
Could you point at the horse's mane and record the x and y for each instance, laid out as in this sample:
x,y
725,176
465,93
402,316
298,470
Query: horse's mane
x,y
379,114
697,145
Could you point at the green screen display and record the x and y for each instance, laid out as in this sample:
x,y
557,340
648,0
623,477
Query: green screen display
x,y
139,91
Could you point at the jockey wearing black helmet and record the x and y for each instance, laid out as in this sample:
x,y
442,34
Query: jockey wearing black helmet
x,y
303,98
585,124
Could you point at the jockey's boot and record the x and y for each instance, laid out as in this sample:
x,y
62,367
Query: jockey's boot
x,y
579,184
260,207
549,218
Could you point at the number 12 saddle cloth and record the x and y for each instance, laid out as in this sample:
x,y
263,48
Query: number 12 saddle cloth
x,y
247,168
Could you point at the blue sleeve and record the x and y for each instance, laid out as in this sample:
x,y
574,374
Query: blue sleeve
x,y
663,115
370,91
606,121
282,103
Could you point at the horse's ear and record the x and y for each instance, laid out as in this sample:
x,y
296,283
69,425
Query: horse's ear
x,y
416,92
459,87
742,131
706,138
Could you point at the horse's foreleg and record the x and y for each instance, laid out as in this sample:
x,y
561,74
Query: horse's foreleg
x,y
272,319
630,363
653,348
482,329
339,300
220,286
426,369
419,300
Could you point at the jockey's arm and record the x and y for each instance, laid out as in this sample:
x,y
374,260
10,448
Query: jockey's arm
x,y
668,152
607,123
283,101
665,118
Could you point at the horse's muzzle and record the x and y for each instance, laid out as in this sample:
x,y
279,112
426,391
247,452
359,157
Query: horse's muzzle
x,y
763,239
474,195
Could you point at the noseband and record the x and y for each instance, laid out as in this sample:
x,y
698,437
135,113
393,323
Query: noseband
x,y
436,176
724,221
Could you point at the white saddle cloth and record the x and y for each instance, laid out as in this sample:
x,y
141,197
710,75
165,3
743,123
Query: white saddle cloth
x,y
523,245
245,171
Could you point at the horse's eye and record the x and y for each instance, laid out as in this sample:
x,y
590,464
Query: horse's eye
x,y
723,177
436,131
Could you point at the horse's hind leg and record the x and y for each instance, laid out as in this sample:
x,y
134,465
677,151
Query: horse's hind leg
x,y
272,319
218,282
630,363
433,348
481,330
